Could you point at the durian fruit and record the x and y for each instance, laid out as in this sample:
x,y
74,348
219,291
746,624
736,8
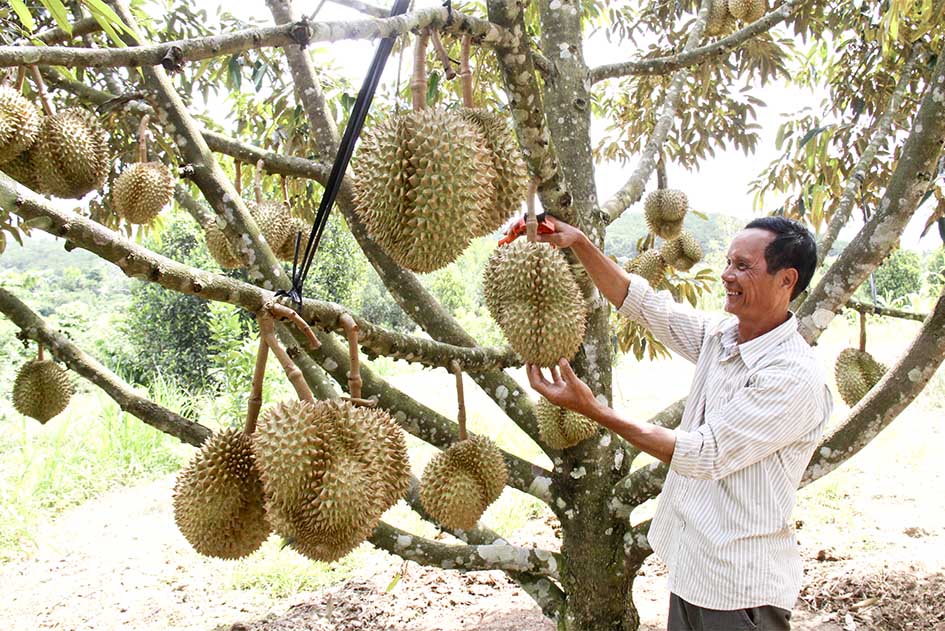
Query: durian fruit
x,y
664,211
221,250
649,264
286,251
756,10
330,469
739,9
423,178
682,252
20,122
145,188
856,373
720,20
218,498
274,221
70,156
560,428
42,389
459,483
532,294
20,169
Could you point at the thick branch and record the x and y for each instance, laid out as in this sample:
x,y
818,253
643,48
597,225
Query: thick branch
x,y
896,390
915,169
635,544
880,136
645,483
172,55
124,395
633,189
702,54
464,557
865,307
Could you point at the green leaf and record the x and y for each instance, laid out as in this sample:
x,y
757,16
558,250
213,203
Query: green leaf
x,y
393,582
19,7
433,87
59,13
98,8
234,72
259,73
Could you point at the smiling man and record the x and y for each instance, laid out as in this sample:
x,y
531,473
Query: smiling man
x,y
755,413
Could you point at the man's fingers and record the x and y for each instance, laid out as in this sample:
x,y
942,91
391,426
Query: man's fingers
x,y
535,378
567,371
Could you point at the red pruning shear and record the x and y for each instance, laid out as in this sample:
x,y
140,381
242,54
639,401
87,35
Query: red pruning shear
x,y
546,225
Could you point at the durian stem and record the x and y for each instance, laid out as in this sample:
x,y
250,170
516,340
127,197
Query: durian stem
x,y
465,75
418,85
41,88
40,356
457,370
354,369
238,183
442,55
255,395
863,331
267,331
20,78
285,190
257,181
531,220
661,171
143,138
284,313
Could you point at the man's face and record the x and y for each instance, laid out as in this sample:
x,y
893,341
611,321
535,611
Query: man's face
x,y
751,293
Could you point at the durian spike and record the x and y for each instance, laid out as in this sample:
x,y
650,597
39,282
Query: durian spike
x,y
143,138
41,88
255,395
354,367
862,331
267,331
238,170
442,55
257,182
531,220
465,74
457,370
284,313
418,85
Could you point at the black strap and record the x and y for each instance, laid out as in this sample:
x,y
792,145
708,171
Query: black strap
x,y
353,129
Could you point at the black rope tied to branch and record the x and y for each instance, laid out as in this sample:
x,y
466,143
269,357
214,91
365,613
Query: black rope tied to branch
x,y
352,130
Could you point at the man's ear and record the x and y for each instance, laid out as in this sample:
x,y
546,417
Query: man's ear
x,y
788,278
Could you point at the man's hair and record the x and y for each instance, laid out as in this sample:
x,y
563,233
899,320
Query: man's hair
x,y
793,246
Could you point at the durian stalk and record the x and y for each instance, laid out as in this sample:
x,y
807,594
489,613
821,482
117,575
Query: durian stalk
x,y
354,368
267,331
41,89
40,355
661,181
285,190
257,183
284,313
255,394
143,139
238,170
418,85
442,55
531,220
20,78
465,75
862,331
457,370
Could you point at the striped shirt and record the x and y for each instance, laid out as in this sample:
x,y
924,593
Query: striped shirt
x,y
754,416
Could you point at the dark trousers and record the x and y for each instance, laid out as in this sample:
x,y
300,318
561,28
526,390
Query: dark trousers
x,y
684,616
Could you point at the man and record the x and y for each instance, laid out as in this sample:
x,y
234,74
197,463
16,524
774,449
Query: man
x,y
755,413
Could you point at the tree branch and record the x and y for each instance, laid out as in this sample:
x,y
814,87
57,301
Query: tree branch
x,y
880,135
865,307
631,192
702,54
915,169
635,544
172,55
53,36
35,328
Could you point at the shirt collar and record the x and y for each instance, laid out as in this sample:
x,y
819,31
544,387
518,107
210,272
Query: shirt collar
x,y
755,350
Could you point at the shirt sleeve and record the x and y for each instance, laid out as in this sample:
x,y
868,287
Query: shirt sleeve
x,y
778,407
678,326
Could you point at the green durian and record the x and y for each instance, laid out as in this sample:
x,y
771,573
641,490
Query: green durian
x,y
142,191
682,252
70,156
856,373
560,428
664,211
20,123
42,389
649,264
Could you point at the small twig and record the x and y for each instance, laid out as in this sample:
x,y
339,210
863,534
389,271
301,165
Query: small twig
x,y
354,367
457,370
465,74
41,88
418,85
862,331
267,331
143,139
255,395
257,181
442,55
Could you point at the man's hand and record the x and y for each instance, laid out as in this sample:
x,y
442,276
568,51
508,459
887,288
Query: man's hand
x,y
565,389
564,236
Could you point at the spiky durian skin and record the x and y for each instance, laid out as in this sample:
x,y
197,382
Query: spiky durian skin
x,y
856,373
422,181
460,483
560,428
220,249
21,170
274,221
330,469
664,210
218,498
142,191
510,173
756,10
682,252
533,296
41,389
649,264
719,18
739,9
286,251
70,156
20,122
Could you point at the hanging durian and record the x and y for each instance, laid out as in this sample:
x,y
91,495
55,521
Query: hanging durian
x,y
682,252
460,483
41,389
649,264
510,174
297,225
720,21
664,211
144,188
756,10
856,373
739,9
560,428
20,169
422,180
330,468
20,122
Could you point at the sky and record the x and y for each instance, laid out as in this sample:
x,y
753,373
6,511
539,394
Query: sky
x,y
719,186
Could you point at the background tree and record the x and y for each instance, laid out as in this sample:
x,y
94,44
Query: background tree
x,y
875,145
